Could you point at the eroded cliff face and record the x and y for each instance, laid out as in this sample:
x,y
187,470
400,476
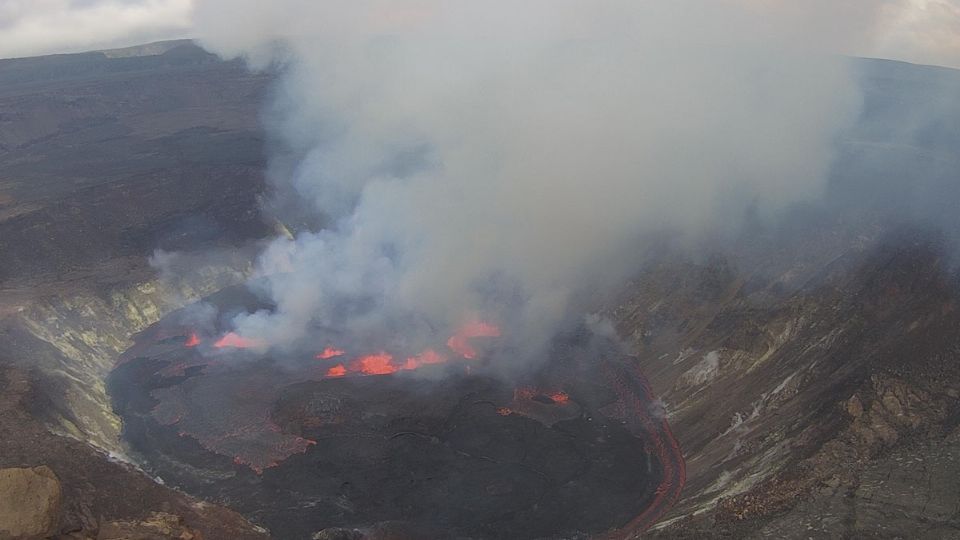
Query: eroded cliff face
x,y
788,396
75,338
809,356
105,158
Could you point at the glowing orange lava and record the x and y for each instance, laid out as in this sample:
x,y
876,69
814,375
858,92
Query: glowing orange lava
x,y
192,341
236,341
559,397
375,364
330,352
426,358
460,342
383,363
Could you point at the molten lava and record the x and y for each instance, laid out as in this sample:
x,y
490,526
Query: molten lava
x,y
426,358
236,341
460,342
382,363
330,352
192,341
375,364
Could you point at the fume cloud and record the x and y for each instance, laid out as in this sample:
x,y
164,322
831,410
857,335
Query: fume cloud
x,y
501,160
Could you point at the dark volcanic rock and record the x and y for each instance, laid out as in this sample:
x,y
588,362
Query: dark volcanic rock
x,y
446,450
789,406
102,158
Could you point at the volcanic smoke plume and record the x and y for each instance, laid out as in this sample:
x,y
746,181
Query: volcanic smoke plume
x,y
496,161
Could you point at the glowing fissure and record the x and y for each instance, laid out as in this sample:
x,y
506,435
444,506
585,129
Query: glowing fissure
x,y
330,352
426,358
233,340
380,363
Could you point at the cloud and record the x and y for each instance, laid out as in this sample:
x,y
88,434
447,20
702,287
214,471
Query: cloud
x,y
34,27
920,31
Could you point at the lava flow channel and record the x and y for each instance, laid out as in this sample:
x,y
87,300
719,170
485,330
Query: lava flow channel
x,y
384,363
634,397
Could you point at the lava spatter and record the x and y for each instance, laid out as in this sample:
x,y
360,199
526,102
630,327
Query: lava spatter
x,y
386,363
337,371
375,364
460,342
232,340
330,352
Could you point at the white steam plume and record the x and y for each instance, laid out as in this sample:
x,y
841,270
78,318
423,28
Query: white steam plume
x,y
503,157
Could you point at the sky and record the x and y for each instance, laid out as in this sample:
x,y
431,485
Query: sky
x,y
920,31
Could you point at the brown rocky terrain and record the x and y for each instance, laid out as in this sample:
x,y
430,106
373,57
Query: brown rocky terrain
x,y
810,369
825,411
31,502
96,497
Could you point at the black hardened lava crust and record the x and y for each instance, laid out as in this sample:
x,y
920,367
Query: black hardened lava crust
x,y
449,451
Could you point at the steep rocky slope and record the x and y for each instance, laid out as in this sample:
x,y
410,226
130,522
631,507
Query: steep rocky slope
x,y
99,495
103,161
810,368
793,406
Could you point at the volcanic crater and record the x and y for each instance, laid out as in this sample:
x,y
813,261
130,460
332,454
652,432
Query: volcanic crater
x,y
433,444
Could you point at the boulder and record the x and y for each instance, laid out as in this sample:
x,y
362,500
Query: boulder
x,y
29,503
158,526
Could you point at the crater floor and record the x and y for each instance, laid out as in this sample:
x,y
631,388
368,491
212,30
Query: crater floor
x,y
446,451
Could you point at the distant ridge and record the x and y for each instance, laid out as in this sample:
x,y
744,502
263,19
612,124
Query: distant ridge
x,y
148,49
22,74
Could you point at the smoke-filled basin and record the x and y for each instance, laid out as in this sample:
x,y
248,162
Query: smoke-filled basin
x,y
428,445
